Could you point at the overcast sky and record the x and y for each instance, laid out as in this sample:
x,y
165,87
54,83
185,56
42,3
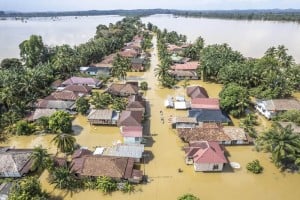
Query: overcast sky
x,y
69,5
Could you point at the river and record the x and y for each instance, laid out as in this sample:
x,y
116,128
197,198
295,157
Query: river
x,y
252,38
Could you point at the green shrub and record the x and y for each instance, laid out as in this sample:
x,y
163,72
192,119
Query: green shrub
x,y
255,167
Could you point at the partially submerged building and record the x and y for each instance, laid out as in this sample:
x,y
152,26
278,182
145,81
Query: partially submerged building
x,y
103,117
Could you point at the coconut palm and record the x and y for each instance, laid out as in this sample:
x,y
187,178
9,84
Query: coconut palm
x,y
282,143
40,158
64,142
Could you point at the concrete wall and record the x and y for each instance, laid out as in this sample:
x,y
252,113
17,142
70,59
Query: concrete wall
x,y
201,167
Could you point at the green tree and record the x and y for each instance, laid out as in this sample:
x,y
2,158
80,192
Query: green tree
x,y
234,99
188,197
214,57
82,105
60,122
101,100
121,66
10,63
43,123
127,187
283,144
289,116
106,184
63,178
119,103
255,167
40,159
24,128
144,85
65,143
28,188
33,51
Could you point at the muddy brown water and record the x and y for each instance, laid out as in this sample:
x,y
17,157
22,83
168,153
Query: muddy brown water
x,y
162,170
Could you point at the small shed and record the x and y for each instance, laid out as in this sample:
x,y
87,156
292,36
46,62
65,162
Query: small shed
x,y
182,105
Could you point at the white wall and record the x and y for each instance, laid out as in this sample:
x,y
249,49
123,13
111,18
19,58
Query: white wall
x,y
200,167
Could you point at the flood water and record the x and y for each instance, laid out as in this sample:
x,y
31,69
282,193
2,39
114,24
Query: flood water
x,y
162,167
251,38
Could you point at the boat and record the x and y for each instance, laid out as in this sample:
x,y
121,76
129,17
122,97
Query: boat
x,y
235,165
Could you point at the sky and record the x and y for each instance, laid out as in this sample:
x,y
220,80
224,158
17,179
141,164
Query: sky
x,y
72,5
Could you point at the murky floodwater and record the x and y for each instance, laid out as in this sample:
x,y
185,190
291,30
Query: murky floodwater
x,y
252,38
165,181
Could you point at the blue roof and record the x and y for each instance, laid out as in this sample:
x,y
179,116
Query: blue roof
x,y
204,115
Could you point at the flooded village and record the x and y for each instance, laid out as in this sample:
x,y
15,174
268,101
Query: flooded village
x,y
159,140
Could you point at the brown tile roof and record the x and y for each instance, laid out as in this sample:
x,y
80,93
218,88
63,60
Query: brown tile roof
x,y
14,161
184,120
84,89
235,133
128,53
282,104
110,166
81,153
56,83
196,92
183,73
63,95
207,132
205,103
130,118
185,66
123,89
38,113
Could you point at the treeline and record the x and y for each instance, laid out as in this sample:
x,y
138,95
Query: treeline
x,y
24,80
270,15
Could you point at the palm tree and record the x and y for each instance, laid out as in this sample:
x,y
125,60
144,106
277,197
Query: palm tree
x,y
64,142
282,143
40,158
63,178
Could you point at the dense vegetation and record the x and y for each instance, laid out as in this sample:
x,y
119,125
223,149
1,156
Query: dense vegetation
x,y
283,144
188,197
255,167
23,81
274,15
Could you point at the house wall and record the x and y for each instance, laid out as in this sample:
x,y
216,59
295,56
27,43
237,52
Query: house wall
x,y
132,140
201,167
13,175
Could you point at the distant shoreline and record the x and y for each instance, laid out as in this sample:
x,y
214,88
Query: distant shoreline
x,y
292,15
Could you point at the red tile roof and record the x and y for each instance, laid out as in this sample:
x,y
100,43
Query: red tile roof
x,y
205,103
185,66
206,152
78,88
129,53
132,131
63,95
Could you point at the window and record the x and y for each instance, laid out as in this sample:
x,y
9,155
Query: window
x,y
215,167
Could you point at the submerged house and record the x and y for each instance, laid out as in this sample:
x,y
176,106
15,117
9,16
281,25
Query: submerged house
x,y
205,156
132,134
136,103
134,151
64,95
211,132
182,105
270,108
39,113
130,118
184,122
93,70
205,103
117,168
103,117
56,104
188,66
207,115
181,75
15,163
123,90
237,135
138,64
196,92
92,82
80,90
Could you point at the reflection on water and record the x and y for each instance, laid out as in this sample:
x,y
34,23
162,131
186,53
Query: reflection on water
x,y
252,38
167,156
